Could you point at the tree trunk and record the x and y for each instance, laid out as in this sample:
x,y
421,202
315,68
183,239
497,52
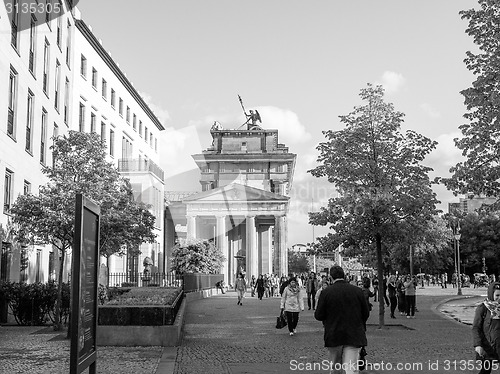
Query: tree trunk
x,y
57,317
380,276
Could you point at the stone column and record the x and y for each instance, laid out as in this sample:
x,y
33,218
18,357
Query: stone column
x,y
265,243
223,246
280,250
251,247
191,227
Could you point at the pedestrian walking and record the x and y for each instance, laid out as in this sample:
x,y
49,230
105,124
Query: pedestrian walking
x,y
274,285
343,310
391,289
324,285
285,282
410,296
240,287
375,288
292,303
252,285
311,288
400,288
267,286
259,285
486,330
367,292
384,292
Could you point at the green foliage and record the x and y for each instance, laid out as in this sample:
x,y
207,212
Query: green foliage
x,y
480,237
297,262
33,304
80,166
385,190
196,256
102,294
146,296
480,142
321,263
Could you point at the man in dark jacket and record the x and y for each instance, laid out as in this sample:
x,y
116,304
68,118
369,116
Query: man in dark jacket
x,y
286,283
343,309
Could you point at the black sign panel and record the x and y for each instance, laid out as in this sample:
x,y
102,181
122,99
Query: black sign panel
x,y
84,286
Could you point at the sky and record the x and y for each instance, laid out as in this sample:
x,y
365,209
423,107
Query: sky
x,y
301,63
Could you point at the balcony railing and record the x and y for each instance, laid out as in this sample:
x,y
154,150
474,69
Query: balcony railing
x,y
125,165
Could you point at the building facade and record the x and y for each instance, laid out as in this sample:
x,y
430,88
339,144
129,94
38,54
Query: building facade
x,y
36,80
470,204
246,176
106,102
57,77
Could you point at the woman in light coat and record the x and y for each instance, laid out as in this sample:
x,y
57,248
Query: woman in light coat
x,y
292,302
240,287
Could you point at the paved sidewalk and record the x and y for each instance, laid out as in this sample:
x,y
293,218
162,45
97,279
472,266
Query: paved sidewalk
x,y
222,337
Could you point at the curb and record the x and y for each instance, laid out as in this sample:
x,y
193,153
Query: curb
x,y
434,308
169,354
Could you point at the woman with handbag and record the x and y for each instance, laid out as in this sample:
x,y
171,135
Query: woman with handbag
x,y
292,303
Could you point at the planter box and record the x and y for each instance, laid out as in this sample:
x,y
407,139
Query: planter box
x,y
197,282
144,325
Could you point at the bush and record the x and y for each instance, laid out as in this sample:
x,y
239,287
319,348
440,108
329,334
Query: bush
x,y
129,284
33,304
65,302
146,296
102,294
196,256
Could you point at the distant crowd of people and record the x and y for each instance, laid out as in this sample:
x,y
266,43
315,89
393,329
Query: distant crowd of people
x,y
343,304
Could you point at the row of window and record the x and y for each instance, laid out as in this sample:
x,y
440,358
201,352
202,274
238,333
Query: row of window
x,y
136,125
30,114
32,58
9,188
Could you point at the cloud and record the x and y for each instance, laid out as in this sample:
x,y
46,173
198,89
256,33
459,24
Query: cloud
x,y
290,130
441,160
177,146
445,155
391,81
430,111
304,162
160,113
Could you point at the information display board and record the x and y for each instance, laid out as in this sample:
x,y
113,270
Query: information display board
x,y
84,286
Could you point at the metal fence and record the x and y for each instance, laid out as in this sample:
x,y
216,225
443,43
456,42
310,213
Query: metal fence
x,y
132,279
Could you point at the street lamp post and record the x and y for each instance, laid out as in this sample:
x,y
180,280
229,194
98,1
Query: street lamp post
x,y
457,235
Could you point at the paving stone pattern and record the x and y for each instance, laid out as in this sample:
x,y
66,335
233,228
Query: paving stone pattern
x,y
222,337
40,350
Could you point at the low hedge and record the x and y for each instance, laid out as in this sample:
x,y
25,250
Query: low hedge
x,y
34,303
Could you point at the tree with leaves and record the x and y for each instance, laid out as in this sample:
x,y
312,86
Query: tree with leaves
x,y
80,166
480,143
384,189
197,256
297,262
480,238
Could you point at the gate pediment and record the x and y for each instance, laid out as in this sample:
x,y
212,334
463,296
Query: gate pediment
x,y
236,192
